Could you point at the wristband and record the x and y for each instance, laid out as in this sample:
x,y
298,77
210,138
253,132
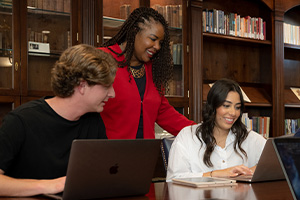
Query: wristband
x,y
211,173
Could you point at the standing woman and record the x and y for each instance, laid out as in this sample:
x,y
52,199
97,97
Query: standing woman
x,y
142,49
221,146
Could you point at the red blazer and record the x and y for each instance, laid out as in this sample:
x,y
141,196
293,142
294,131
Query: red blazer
x,y
121,114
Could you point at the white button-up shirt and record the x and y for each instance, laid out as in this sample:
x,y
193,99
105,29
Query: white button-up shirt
x,y
186,154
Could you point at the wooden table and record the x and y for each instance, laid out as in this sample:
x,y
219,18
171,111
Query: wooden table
x,y
275,190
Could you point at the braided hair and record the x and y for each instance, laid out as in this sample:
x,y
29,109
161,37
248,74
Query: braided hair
x,y
162,64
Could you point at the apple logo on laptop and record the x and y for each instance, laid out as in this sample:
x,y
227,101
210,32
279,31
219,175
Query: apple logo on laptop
x,y
114,169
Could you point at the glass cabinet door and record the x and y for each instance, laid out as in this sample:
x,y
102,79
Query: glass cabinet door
x,y
114,14
6,45
172,12
48,35
8,103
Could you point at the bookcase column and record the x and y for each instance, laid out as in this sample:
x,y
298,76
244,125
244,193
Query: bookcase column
x,y
278,75
90,22
196,61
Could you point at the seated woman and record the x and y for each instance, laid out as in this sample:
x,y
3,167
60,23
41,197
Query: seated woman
x,y
221,146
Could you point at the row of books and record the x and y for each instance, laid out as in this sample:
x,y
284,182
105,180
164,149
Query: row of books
x,y
291,34
46,37
171,13
53,5
216,21
291,126
259,124
175,88
176,51
36,36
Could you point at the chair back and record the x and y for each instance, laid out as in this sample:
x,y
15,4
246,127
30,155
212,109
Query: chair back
x,y
165,149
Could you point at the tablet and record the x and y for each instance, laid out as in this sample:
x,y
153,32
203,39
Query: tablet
x,y
204,181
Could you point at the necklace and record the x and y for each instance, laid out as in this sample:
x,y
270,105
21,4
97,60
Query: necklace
x,y
138,73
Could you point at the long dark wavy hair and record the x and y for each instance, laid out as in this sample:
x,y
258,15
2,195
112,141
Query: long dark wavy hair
x,y
215,98
162,65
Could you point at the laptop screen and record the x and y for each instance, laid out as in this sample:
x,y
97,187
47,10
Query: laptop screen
x,y
288,150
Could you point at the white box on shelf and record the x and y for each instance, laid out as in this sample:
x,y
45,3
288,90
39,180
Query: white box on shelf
x,y
38,47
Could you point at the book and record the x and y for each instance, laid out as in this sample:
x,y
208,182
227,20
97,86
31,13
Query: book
x,y
125,11
296,91
49,4
168,14
53,5
60,5
204,182
174,16
204,21
291,126
180,16
32,3
1,40
261,125
174,53
179,54
159,8
40,4
67,6
267,127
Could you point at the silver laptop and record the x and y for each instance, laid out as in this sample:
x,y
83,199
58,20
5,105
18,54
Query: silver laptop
x,y
110,168
288,152
268,167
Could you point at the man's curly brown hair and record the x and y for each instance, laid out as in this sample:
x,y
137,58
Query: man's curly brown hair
x,y
162,64
82,63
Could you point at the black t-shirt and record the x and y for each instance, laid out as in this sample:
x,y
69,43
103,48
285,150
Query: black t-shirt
x,y
35,141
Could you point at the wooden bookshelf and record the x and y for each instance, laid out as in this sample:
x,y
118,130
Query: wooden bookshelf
x,y
265,69
236,39
245,60
28,77
291,63
291,46
266,75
